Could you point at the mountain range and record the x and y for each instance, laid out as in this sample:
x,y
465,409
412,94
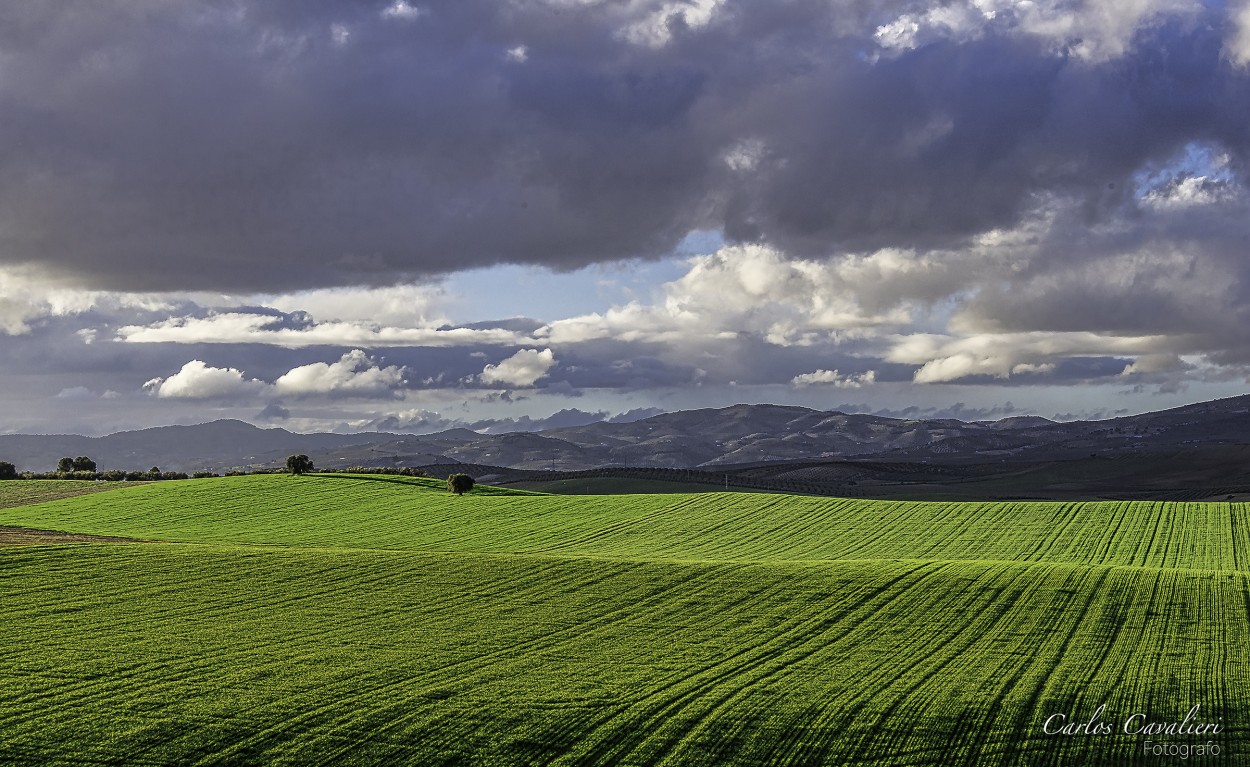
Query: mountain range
x,y
706,438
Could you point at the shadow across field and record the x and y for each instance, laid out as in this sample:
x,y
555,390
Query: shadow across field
x,y
388,478
1199,474
416,483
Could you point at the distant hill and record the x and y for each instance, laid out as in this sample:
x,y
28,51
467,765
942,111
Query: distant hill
x,y
216,445
1022,422
709,438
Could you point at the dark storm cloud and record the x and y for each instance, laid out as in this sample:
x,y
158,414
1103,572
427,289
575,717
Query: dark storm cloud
x,y
744,360
594,366
957,138
279,144
1181,271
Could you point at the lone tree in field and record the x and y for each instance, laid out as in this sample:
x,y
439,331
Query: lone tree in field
x,y
65,465
83,463
299,464
459,484
7,470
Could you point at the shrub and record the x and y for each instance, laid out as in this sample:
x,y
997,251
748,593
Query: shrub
x,y
299,464
459,484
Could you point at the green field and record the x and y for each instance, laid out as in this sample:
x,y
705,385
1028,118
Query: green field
x,y
38,490
618,486
379,620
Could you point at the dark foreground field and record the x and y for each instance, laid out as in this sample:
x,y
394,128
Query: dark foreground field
x,y
378,621
1220,473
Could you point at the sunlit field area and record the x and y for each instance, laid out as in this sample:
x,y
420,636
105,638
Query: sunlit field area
x,y
381,620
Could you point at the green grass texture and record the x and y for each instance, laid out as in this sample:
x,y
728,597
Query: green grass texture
x,y
380,620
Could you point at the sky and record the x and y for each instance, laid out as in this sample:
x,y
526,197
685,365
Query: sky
x,y
518,214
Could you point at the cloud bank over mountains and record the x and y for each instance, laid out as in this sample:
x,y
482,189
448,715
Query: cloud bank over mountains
x,y
245,201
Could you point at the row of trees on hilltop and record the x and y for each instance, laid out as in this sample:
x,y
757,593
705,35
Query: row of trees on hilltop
x,y
84,468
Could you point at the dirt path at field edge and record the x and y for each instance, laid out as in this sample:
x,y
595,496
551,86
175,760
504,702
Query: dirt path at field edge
x,y
24,536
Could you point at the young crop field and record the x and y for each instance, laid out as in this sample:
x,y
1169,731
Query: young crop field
x,y
380,620
31,491
620,486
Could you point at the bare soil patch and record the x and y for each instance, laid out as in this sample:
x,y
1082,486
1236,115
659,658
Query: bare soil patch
x,y
23,536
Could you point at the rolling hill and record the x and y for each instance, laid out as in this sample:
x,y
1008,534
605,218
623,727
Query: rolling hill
x,y
711,439
377,620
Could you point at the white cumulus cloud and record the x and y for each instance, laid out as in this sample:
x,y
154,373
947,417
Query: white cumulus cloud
x,y
1095,30
1238,47
240,327
27,296
402,10
405,305
355,373
655,29
1190,192
756,290
522,369
944,358
198,380
834,378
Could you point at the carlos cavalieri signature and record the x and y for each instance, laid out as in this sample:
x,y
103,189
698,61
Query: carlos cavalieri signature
x,y
1136,724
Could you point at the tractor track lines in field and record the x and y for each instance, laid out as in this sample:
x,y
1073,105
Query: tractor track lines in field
x,y
952,651
712,526
226,604
614,529
1111,534
476,665
382,622
1064,518
1032,698
773,669
773,650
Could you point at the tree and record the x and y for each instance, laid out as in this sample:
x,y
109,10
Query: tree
x,y
299,464
459,484
83,463
65,465
7,470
